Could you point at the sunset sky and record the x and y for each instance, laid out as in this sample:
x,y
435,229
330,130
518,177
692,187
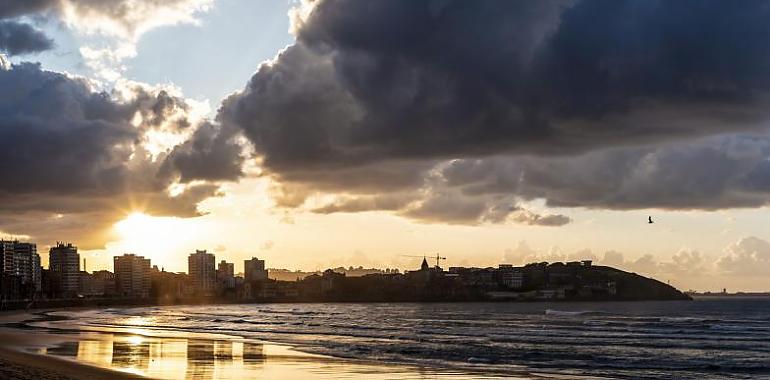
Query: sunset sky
x,y
345,132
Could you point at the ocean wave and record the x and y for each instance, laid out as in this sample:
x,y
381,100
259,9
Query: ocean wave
x,y
567,313
682,320
635,340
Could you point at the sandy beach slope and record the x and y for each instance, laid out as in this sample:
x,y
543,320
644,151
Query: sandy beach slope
x,y
19,365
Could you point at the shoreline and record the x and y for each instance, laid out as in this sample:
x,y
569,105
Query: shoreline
x,y
16,363
33,353
90,304
138,346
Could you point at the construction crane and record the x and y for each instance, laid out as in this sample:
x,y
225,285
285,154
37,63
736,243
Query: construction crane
x,y
425,257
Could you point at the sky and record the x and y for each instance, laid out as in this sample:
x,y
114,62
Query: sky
x,y
328,133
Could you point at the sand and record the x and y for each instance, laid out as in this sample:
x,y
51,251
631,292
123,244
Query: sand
x,y
22,366
18,365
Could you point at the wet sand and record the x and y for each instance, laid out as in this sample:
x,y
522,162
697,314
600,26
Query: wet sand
x,y
65,352
17,364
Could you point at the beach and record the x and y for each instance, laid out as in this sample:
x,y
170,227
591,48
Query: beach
x,y
42,345
17,364
706,338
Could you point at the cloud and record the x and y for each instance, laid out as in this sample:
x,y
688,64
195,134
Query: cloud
x,y
129,19
434,206
429,89
15,8
122,21
749,256
211,154
605,104
17,38
522,254
267,245
78,157
711,173
371,203
528,217
685,262
613,259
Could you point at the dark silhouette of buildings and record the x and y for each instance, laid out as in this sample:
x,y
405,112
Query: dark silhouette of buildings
x,y
200,266
20,269
254,270
132,276
135,280
226,275
64,267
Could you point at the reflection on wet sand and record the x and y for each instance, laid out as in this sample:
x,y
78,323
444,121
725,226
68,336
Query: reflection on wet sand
x,y
166,357
187,358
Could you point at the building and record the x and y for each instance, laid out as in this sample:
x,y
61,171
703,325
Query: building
x,y
132,276
89,285
226,275
104,282
254,270
511,277
22,261
200,266
64,264
6,256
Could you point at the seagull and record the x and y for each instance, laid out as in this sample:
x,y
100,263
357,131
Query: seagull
x,y
649,220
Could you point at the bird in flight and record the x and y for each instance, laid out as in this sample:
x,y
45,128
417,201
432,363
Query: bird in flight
x,y
649,220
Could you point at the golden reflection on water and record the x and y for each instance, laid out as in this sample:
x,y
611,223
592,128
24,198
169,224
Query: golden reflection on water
x,y
168,358
183,358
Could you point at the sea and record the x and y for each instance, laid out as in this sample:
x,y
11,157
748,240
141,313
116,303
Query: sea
x,y
708,338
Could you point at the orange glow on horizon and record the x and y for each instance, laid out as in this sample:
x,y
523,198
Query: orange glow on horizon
x,y
156,238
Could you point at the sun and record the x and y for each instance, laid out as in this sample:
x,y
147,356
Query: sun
x,y
157,238
136,225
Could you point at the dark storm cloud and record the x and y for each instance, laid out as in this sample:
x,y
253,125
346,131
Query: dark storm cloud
x,y
72,151
714,173
62,131
211,154
404,79
617,84
17,38
15,8
439,205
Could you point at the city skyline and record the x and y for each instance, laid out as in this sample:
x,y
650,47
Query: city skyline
x,y
134,280
268,129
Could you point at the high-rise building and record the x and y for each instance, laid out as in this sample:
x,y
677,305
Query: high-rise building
x,y
200,266
7,248
21,260
132,276
37,272
254,270
64,264
226,274
25,260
